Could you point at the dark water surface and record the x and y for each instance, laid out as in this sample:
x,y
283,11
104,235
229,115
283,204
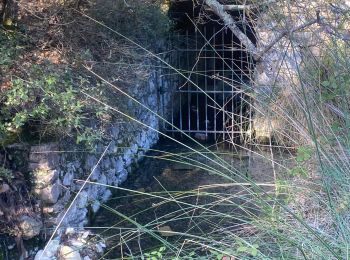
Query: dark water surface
x,y
164,199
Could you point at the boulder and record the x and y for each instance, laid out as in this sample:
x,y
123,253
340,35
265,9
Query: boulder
x,y
68,253
166,231
44,177
50,194
44,156
50,251
40,255
4,188
29,226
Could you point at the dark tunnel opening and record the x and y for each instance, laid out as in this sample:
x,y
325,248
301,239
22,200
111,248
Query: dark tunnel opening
x,y
214,59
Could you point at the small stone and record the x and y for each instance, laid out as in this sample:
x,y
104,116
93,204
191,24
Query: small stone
x,y
102,179
68,178
40,256
70,231
82,200
95,176
48,210
112,147
85,234
77,164
45,156
118,164
68,253
52,248
44,177
201,136
151,100
100,147
127,157
134,148
106,195
166,231
106,163
95,206
49,194
29,227
10,247
122,176
4,188
90,162
99,248
112,177
76,243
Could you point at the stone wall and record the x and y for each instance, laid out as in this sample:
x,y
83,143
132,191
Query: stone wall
x,y
57,168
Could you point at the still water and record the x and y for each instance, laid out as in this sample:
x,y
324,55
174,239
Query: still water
x,y
176,195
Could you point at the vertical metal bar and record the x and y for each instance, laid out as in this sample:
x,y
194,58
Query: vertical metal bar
x,y
188,85
250,118
167,81
214,81
196,71
163,72
205,81
233,96
180,111
250,73
178,85
241,95
223,84
172,82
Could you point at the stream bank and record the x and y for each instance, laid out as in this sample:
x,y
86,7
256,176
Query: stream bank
x,y
56,168
176,194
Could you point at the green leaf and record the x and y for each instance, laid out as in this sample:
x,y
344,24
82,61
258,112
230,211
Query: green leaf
x,y
299,171
304,153
242,249
325,83
51,80
254,251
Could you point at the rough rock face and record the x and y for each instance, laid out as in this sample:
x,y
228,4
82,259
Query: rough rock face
x,y
68,253
44,157
29,226
58,176
73,245
19,214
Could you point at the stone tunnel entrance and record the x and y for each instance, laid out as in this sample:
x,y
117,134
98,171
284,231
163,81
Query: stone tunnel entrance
x,y
209,101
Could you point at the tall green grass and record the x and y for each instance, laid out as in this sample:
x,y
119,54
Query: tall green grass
x,y
299,210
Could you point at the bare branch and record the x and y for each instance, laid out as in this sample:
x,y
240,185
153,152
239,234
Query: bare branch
x,y
330,29
247,7
219,10
236,7
283,34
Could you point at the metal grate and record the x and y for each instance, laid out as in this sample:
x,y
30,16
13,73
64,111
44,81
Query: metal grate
x,y
211,101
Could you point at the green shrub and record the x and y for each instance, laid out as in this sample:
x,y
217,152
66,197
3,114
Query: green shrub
x,y
48,103
10,48
140,20
5,174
